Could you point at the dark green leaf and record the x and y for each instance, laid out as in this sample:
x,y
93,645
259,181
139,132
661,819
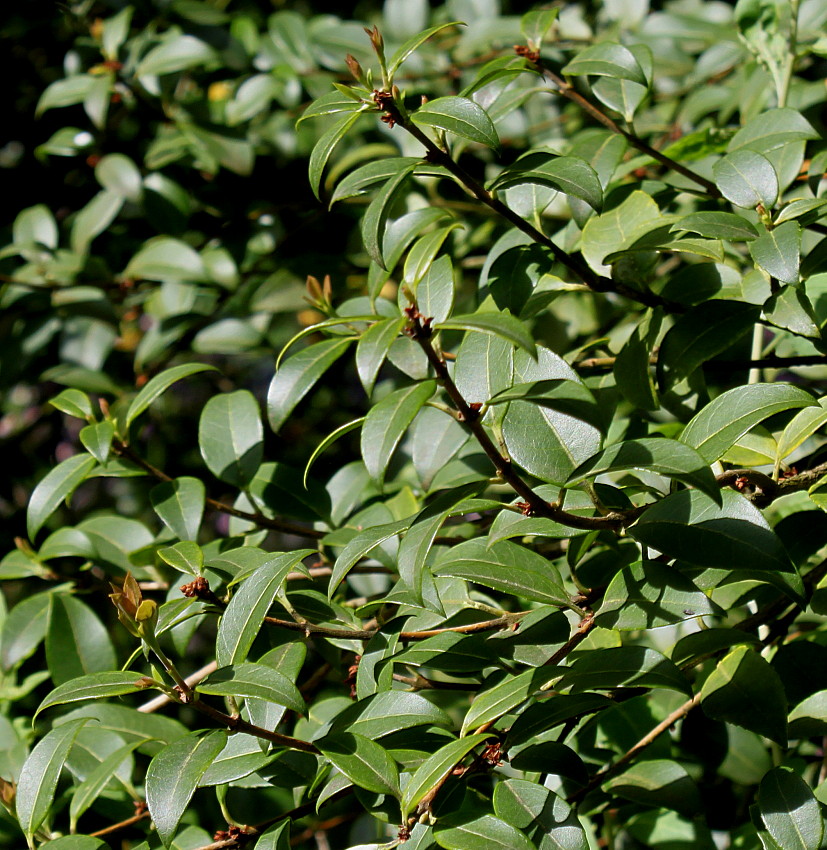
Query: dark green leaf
x,y
373,347
568,174
489,705
485,832
39,774
608,59
658,782
462,117
778,251
366,763
772,129
717,225
564,396
55,487
498,324
743,689
435,289
159,384
413,43
666,457
277,837
700,334
330,138
94,686
624,666
688,526
230,436
242,619
375,219
364,178
180,505
505,567
97,439
332,103
23,629
746,178
790,811
77,643
298,375
387,422
173,776
387,712
257,681
719,425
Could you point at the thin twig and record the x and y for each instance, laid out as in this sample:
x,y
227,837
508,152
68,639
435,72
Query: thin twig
x,y
141,812
193,679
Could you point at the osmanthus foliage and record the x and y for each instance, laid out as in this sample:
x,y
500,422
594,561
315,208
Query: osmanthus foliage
x,y
523,546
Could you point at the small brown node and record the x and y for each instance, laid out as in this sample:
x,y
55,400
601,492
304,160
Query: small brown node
x,y
492,754
525,508
527,53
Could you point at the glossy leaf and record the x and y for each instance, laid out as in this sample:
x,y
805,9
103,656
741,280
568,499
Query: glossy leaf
x,y
330,138
373,348
434,768
484,832
77,642
387,712
498,324
743,689
687,525
173,776
747,179
491,704
97,439
624,666
94,686
242,619
362,544
505,567
160,384
256,681
386,424
57,486
461,117
375,220
276,837
717,225
298,375
790,811
564,396
803,425
721,423
366,177
230,436
778,250
658,782
568,174
608,59
39,774
415,42
366,763
180,505
666,457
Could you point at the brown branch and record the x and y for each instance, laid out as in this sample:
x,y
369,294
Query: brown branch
x,y
141,812
285,526
570,93
594,281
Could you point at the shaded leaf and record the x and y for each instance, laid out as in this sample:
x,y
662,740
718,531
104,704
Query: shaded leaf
x,y
658,782
624,666
159,384
180,505
329,139
499,324
366,763
373,348
485,832
95,686
230,436
54,488
790,810
375,219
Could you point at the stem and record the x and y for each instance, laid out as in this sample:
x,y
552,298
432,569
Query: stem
x,y
569,92
123,450
789,61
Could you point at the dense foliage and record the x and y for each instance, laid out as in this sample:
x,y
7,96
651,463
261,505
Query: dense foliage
x,y
469,494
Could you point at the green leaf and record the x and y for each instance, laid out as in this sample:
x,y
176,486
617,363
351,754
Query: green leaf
x,y
160,384
498,324
506,567
57,486
256,681
570,175
329,139
375,219
717,225
658,782
329,440
485,832
434,768
489,705
648,595
413,43
177,54
802,426
95,686
94,219
164,258
332,103
298,375
386,424
562,395
745,690
772,129
173,776
242,619
186,556
39,774
802,208
23,629
90,789
624,666
277,837
180,505
435,290
607,59
666,457
74,403
230,436
688,526
778,251
720,424
366,763
77,643
746,178
462,117
387,712
364,178
362,544
700,334
97,439
541,716
373,348
790,810
81,842
790,309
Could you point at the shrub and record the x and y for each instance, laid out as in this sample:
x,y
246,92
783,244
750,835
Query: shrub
x,y
506,530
